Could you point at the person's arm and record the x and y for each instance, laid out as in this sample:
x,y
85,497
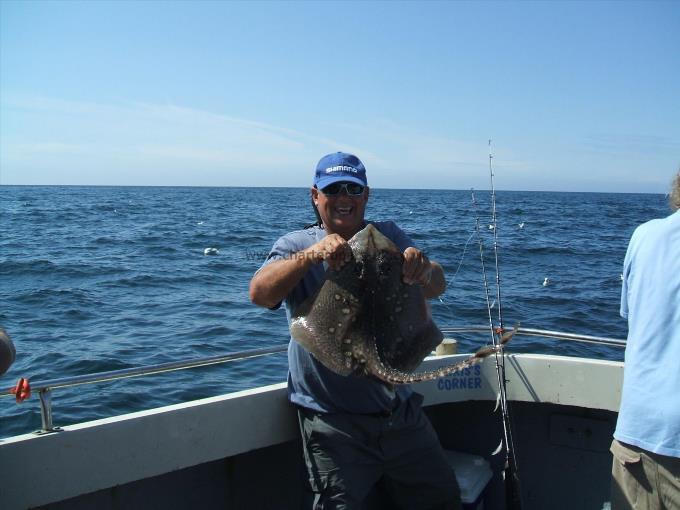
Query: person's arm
x,y
273,282
419,270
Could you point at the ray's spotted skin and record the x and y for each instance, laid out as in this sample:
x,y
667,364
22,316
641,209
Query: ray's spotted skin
x,y
365,320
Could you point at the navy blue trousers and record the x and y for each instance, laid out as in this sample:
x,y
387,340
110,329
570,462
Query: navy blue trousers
x,y
348,454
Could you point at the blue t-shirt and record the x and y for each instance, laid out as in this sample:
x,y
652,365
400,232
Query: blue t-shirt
x,y
310,384
650,299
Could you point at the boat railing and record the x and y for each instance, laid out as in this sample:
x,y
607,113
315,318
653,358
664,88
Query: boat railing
x,y
44,388
544,333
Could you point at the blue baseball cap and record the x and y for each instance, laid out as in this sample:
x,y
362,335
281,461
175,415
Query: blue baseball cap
x,y
339,167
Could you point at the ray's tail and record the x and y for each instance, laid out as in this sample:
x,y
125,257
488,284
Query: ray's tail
x,y
393,376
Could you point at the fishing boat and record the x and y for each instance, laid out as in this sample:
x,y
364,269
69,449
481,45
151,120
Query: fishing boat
x,y
242,450
522,430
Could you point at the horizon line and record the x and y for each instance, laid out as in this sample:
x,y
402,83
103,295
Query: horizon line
x,y
305,187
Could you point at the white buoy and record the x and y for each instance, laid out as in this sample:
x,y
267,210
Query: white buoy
x,y
546,282
211,251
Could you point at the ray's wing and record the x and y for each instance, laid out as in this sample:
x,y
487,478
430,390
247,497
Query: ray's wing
x,y
405,332
324,323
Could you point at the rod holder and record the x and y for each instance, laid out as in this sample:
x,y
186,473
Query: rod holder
x,y
447,347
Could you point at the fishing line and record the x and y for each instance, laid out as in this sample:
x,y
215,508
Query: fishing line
x,y
461,258
450,281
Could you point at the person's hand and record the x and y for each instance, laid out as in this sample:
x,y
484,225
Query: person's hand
x,y
332,249
416,269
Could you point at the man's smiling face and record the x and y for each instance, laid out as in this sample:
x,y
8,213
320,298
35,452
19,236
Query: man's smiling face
x,y
342,213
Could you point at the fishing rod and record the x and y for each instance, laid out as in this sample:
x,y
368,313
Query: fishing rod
x,y
484,278
512,490
502,399
495,241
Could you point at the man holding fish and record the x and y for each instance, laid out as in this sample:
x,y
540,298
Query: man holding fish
x,y
357,431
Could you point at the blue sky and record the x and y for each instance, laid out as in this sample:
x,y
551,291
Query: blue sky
x,y
577,96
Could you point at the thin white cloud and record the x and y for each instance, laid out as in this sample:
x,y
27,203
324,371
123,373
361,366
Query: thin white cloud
x,y
55,141
141,142
413,158
50,148
629,143
115,138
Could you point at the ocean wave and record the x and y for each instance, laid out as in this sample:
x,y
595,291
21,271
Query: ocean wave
x,y
27,266
64,296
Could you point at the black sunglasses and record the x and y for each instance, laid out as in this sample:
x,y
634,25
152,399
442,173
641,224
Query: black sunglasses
x,y
351,188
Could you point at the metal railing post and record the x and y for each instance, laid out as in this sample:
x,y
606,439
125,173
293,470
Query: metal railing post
x,y
46,411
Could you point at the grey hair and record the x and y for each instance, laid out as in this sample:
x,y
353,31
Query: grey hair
x,y
675,193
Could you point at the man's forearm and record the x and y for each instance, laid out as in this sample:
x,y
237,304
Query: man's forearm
x,y
273,282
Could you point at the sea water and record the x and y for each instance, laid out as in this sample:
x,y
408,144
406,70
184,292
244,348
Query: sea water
x,y
104,278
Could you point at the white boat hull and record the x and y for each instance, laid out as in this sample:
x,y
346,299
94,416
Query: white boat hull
x,y
109,460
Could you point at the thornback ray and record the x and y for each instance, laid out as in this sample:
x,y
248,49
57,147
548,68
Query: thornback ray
x,y
364,320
